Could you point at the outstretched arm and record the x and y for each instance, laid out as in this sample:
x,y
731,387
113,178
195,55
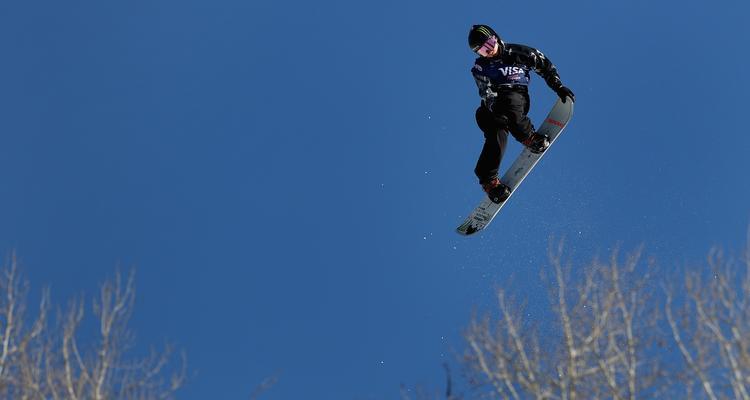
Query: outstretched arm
x,y
543,66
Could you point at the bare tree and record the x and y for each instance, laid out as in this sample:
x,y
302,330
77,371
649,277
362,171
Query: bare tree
x,y
23,346
616,336
710,324
602,325
39,361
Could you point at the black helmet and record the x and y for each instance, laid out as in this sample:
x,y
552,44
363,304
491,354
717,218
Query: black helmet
x,y
478,34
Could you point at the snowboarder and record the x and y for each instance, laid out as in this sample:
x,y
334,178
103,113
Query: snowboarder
x,y
502,73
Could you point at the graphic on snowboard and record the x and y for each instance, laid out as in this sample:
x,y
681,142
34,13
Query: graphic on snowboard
x,y
486,211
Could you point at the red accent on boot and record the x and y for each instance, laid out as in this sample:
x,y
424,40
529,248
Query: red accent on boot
x,y
491,184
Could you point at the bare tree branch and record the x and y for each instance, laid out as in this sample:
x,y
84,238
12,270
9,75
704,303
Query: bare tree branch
x,y
601,347
42,362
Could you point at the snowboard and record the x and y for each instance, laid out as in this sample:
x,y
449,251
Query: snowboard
x,y
486,211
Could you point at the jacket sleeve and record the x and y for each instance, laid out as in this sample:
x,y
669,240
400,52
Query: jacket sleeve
x,y
537,61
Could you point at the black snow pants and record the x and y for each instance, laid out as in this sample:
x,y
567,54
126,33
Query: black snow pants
x,y
508,114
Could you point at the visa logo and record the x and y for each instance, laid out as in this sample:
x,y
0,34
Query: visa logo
x,y
511,71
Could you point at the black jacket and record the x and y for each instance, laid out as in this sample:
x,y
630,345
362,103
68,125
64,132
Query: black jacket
x,y
511,69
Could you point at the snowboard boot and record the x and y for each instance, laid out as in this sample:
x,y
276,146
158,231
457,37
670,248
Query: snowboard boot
x,y
497,191
537,143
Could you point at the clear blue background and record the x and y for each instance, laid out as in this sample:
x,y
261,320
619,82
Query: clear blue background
x,y
286,176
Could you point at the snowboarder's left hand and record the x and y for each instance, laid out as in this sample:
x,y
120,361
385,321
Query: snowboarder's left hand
x,y
564,92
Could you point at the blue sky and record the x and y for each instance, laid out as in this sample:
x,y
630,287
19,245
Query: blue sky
x,y
286,177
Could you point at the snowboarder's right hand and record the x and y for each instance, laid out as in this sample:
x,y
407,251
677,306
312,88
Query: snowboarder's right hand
x,y
564,92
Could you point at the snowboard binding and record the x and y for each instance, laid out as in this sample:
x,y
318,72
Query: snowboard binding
x,y
537,143
497,191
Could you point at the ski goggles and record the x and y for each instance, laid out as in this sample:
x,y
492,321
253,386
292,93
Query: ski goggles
x,y
488,47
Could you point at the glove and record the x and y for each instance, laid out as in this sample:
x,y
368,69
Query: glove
x,y
564,92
